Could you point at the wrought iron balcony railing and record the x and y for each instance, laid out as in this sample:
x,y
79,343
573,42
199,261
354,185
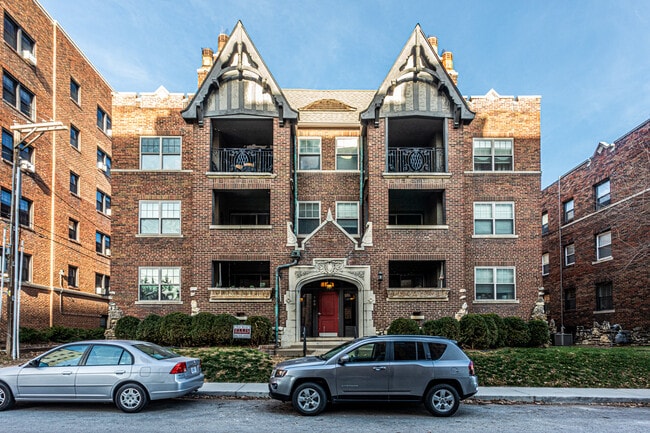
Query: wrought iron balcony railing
x,y
416,160
234,160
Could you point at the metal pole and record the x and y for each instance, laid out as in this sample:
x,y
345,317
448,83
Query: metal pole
x,y
13,228
2,269
17,302
16,265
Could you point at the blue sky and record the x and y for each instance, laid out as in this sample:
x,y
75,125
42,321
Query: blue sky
x,y
589,60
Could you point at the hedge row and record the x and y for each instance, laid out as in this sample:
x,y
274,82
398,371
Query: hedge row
x,y
181,330
480,331
59,334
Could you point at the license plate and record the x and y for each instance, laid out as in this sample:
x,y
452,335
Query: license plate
x,y
193,370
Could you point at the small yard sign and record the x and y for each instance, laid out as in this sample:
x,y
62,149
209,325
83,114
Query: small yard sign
x,y
241,331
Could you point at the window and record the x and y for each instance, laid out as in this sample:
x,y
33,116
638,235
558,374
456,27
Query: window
x,y
74,183
241,274
103,161
7,145
308,217
347,215
73,275
494,219
17,95
569,255
416,274
73,230
159,284
568,211
160,153
604,298
494,283
604,246
371,352
25,208
103,121
160,217
544,223
347,153
102,284
26,270
492,155
16,37
570,298
103,202
408,351
545,264
108,355
68,356
75,91
102,243
602,192
309,153
74,137
25,216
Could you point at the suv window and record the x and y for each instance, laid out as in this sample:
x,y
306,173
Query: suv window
x,y
436,350
368,353
408,351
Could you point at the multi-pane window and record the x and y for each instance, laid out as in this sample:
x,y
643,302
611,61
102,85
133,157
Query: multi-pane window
x,y
73,229
602,193
544,223
494,283
103,202
102,243
308,217
26,269
492,154
570,298
347,215
545,264
73,276
7,145
103,161
569,254
604,245
17,95
347,153
25,214
75,91
569,213
309,153
102,284
103,121
74,183
160,153
160,217
74,137
159,284
604,296
494,219
17,38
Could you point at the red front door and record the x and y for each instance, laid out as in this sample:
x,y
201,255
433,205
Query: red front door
x,y
328,314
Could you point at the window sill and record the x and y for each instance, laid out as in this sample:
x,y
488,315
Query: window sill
x,y
177,302
495,301
605,311
157,235
75,241
417,227
606,259
236,227
495,236
30,118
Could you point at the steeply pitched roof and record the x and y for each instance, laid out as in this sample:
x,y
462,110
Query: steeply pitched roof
x,y
327,106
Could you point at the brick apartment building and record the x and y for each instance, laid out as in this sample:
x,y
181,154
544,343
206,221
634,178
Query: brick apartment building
x,y
596,237
333,210
65,199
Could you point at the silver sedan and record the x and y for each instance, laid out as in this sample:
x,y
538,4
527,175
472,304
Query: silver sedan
x,y
128,373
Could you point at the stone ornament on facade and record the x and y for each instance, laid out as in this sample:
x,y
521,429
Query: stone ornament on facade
x,y
462,312
114,314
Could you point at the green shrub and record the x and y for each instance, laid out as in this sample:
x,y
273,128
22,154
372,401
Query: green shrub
x,y
61,334
403,326
474,332
202,326
222,329
501,329
539,334
444,327
517,334
149,329
175,329
493,330
92,334
126,327
32,336
261,330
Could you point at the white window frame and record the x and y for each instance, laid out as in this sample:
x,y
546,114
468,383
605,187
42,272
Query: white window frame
x,y
308,218
78,179
103,161
73,223
19,89
544,223
21,35
159,215
76,276
106,123
78,87
104,202
160,273
569,251
602,242
493,156
600,195
160,165
566,211
104,242
356,218
301,153
546,264
494,219
344,154
495,275
78,134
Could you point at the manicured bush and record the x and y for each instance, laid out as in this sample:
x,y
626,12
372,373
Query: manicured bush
x,y
222,329
474,332
61,334
261,330
444,327
149,329
202,325
403,326
501,329
493,331
32,336
539,333
126,328
92,334
517,334
175,329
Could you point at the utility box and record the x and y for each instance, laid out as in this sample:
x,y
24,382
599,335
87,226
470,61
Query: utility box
x,y
563,339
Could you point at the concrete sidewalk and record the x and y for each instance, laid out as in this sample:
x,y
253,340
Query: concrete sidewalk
x,y
485,393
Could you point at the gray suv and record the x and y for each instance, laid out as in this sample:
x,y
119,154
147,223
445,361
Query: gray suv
x,y
383,368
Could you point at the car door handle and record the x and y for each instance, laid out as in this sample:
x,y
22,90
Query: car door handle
x,y
379,368
120,372
66,373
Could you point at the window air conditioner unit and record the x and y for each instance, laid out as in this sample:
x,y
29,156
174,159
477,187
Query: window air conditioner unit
x,y
109,132
100,291
27,166
101,166
29,56
108,212
107,252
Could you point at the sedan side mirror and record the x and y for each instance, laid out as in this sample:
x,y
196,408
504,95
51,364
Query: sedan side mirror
x,y
343,359
34,363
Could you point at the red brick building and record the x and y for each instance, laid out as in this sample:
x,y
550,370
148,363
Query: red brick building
x,y
65,200
596,232
336,211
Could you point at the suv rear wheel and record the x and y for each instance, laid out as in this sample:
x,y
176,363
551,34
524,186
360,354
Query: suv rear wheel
x,y
309,399
442,400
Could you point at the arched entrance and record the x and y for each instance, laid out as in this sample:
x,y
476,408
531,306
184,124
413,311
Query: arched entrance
x,y
329,308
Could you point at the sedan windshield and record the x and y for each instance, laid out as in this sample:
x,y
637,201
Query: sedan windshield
x,y
155,351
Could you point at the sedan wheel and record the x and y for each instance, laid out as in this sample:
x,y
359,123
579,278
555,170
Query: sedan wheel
x,y
6,399
442,400
131,398
309,399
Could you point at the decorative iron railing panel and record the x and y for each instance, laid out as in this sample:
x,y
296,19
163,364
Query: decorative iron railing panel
x,y
416,160
234,160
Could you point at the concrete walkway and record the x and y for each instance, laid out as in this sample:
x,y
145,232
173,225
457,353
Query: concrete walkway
x,y
485,393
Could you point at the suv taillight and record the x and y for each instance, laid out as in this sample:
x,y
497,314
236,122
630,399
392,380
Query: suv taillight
x,y
181,367
471,368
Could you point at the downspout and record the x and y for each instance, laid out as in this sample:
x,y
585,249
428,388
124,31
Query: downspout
x,y
361,183
559,231
53,174
295,180
277,297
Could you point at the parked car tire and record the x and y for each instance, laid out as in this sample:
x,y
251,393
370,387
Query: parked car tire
x,y
6,398
309,399
442,400
131,398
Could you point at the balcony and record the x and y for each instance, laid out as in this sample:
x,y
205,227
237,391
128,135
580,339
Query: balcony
x,y
416,160
247,160
241,146
416,145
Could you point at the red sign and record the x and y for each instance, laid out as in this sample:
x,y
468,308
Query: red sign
x,y
241,331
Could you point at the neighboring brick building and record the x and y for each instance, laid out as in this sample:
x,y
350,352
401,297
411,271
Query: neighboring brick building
x,y
364,206
596,259
65,197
